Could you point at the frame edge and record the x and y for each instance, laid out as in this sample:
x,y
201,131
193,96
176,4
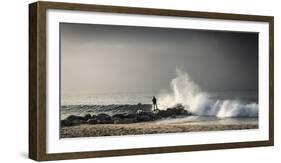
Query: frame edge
x,y
271,80
33,46
152,11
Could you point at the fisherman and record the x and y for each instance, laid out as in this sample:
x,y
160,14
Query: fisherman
x,y
154,101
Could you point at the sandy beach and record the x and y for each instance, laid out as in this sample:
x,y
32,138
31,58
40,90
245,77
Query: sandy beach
x,y
86,130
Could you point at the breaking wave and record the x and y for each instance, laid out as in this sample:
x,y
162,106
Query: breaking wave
x,y
186,92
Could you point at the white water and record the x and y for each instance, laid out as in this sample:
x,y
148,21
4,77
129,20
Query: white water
x,y
186,92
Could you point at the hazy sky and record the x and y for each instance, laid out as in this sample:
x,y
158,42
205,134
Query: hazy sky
x,y
106,58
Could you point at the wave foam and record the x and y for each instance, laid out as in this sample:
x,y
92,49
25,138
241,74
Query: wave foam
x,y
186,92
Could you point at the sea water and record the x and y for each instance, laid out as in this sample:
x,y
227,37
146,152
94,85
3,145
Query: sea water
x,y
206,106
94,103
134,98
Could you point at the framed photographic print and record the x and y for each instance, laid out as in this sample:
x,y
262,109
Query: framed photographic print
x,y
112,81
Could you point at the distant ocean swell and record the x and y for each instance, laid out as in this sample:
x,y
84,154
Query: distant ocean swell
x,y
81,110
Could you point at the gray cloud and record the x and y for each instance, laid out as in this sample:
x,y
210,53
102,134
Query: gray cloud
x,y
106,58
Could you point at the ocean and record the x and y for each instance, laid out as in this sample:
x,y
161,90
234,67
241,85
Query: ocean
x,y
112,103
133,98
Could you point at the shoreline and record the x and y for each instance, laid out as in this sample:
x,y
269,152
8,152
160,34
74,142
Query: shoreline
x,y
143,128
141,120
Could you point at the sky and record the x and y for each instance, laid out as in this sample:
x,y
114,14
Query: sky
x,y
112,59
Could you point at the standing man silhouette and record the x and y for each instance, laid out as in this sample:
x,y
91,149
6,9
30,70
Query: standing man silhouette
x,y
154,101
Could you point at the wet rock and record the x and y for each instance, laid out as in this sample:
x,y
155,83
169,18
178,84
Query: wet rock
x,y
118,116
92,121
104,119
87,117
178,110
124,121
130,116
184,112
74,117
163,114
66,123
103,116
145,116
75,120
78,122
124,118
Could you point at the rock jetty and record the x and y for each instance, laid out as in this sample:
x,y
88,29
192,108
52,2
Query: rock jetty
x,y
125,118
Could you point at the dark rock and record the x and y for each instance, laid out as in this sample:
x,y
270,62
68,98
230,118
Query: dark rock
x,y
133,116
92,121
76,120
163,114
103,116
127,120
74,117
130,116
172,111
124,118
87,117
124,121
145,116
104,119
178,110
184,112
66,123
118,116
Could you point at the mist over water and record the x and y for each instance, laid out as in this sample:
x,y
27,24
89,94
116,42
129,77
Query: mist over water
x,y
186,92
